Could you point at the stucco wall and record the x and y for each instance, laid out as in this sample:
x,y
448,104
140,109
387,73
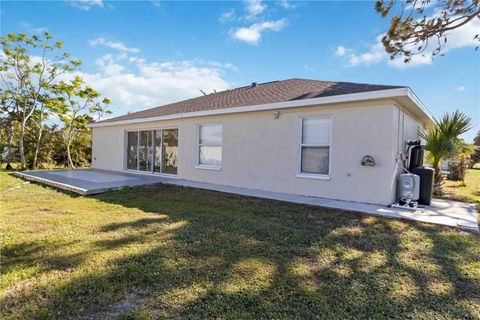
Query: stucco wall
x,y
261,152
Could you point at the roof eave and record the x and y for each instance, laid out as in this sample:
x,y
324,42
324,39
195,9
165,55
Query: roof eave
x,y
398,93
414,105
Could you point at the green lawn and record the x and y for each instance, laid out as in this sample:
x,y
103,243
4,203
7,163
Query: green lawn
x,y
165,251
468,191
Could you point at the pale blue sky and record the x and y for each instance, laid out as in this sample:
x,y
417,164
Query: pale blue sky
x,y
143,54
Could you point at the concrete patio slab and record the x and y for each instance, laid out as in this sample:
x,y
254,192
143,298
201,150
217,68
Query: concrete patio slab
x,y
92,181
88,181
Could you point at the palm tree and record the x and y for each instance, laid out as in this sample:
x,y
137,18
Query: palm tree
x,y
443,142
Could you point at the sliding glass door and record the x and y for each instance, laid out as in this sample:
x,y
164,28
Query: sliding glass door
x,y
145,151
158,151
169,151
153,151
132,150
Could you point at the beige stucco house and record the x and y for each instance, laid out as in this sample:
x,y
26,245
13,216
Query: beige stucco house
x,y
294,136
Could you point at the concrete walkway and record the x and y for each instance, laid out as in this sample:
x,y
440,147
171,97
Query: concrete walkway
x,y
444,212
92,181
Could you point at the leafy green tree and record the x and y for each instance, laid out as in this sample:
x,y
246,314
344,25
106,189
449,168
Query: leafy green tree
x,y
443,142
78,105
476,140
8,125
475,157
48,106
82,149
463,158
420,25
28,67
7,135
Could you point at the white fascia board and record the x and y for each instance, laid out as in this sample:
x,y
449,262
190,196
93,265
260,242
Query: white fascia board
x,y
419,104
351,97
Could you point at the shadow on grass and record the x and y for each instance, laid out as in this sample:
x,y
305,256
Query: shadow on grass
x,y
239,257
39,255
140,223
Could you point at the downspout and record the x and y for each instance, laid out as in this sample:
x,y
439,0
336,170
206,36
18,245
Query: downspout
x,y
399,155
398,133
401,138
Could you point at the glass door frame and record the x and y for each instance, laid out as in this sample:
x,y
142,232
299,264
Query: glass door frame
x,y
153,133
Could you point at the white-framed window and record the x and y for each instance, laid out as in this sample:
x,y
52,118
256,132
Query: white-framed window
x,y
314,147
210,146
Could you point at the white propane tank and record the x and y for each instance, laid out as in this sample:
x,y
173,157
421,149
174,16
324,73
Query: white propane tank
x,y
409,186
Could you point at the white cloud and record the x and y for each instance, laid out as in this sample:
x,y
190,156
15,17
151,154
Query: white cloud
x,y
109,63
156,3
31,29
285,4
134,84
458,38
254,8
253,34
217,65
341,51
153,84
460,89
136,60
256,12
120,46
377,54
417,60
86,4
113,69
464,36
374,55
309,68
227,16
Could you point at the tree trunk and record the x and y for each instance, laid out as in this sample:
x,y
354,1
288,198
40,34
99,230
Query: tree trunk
x,y
69,156
462,169
37,147
10,135
438,175
39,139
21,146
437,179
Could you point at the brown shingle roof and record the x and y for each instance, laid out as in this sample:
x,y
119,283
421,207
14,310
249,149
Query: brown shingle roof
x,y
263,93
